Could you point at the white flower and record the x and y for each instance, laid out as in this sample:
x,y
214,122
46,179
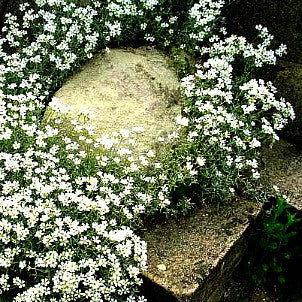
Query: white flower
x,y
255,143
200,161
182,121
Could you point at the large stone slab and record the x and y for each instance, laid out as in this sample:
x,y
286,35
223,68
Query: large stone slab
x,y
126,88
289,84
192,259
283,168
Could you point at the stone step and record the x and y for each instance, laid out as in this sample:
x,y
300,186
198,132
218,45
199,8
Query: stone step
x,y
192,259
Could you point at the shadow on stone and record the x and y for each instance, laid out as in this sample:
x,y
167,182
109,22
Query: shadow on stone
x,y
191,259
289,84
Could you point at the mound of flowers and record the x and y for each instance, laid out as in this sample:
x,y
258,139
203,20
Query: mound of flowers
x,y
70,201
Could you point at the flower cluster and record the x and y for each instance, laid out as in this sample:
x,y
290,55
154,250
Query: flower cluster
x,y
69,199
151,19
202,22
229,118
65,215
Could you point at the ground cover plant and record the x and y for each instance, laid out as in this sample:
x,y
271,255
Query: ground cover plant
x,y
271,266
280,228
70,200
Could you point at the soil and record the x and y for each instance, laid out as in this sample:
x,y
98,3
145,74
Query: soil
x,y
239,290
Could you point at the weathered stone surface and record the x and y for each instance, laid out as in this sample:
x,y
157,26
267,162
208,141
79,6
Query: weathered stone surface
x,y
283,168
289,84
199,252
123,89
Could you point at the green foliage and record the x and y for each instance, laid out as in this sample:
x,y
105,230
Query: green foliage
x,y
275,250
66,212
183,62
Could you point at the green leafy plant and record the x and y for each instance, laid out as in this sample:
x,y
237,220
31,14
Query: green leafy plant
x,y
66,213
275,250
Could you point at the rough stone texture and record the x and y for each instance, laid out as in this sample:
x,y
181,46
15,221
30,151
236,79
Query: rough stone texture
x,y
283,167
282,18
123,89
198,253
289,84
